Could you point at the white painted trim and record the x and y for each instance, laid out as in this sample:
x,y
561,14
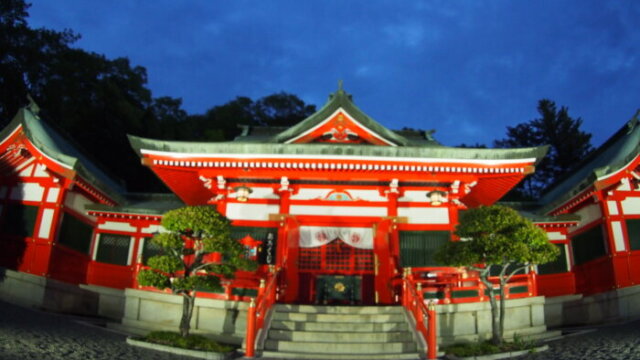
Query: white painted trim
x,y
45,223
242,211
52,195
20,169
153,228
117,226
27,191
142,242
425,215
96,246
41,171
132,242
618,236
613,207
588,214
426,161
354,211
631,206
556,235
335,113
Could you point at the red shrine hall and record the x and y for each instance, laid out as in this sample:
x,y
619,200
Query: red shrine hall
x,y
340,205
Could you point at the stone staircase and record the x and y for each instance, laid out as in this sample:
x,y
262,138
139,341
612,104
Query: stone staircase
x,y
339,332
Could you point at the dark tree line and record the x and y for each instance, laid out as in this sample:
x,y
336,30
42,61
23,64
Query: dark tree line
x,y
96,101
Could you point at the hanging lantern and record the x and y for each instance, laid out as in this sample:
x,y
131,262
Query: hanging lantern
x,y
436,197
242,193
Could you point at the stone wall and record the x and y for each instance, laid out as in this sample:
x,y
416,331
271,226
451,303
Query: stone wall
x,y
41,292
219,319
471,322
616,305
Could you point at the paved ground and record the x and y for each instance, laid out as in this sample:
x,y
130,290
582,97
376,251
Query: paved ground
x,y
32,334
619,341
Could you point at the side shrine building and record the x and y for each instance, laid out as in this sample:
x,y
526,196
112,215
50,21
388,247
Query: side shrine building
x,y
341,206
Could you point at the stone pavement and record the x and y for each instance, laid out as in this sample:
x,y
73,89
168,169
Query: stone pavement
x,y
615,341
38,335
31,334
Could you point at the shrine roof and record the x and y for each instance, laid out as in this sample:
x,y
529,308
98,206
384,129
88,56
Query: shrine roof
x,y
530,210
210,149
340,100
298,140
610,157
141,204
55,146
266,134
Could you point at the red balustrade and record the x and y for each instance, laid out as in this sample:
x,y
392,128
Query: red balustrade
x,y
413,301
452,286
258,310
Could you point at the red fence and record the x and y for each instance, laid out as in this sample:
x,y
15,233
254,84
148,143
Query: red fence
x,y
413,301
450,286
258,310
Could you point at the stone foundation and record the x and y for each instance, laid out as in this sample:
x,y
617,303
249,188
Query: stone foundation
x,y
616,305
471,322
219,319
40,292
110,301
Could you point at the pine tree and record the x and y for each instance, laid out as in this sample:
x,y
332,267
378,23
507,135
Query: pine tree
x,y
568,145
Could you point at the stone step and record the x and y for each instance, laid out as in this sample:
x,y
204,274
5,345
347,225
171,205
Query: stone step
x,y
295,355
321,348
317,309
339,318
341,337
340,327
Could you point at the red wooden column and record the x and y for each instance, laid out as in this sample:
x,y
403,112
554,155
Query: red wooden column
x,y
383,264
290,237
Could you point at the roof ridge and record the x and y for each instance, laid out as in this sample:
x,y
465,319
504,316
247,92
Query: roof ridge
x,y
340,100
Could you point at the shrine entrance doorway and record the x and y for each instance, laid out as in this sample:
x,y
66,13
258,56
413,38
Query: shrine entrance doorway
x,y
336,265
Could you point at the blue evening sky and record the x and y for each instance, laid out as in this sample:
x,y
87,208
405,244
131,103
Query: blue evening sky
x,y
465,68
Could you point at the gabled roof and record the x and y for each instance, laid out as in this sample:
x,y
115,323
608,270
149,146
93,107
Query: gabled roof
x,y
340,100
278,140
338,137
612,156
205,149
58,149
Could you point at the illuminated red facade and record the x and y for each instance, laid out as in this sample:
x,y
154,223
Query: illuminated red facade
x,y
335,197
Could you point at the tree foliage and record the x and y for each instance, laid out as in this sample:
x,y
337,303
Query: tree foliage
x,y
183,266
568,145
497,238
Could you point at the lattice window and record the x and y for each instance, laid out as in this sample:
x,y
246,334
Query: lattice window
x,y
336,257
113,249
150,249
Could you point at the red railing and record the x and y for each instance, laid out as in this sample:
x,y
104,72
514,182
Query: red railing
x,y
413,301
258,310
450,286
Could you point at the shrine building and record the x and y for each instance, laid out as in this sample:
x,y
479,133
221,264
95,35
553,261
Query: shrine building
x,y
341,205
